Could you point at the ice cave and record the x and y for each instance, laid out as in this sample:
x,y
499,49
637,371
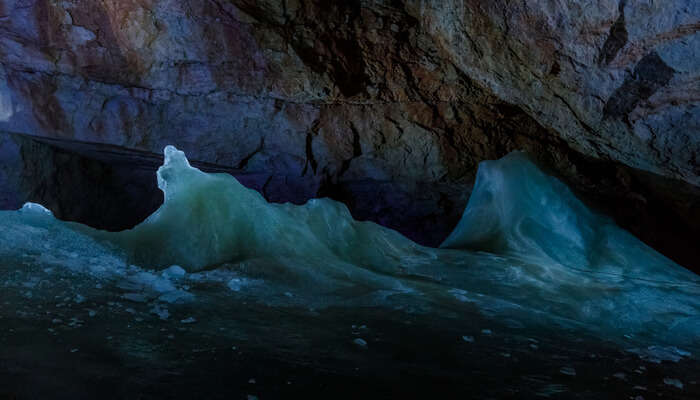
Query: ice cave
x,y
285,199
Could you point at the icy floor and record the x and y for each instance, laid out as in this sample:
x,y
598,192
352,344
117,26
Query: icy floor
x,y
104,344
220,292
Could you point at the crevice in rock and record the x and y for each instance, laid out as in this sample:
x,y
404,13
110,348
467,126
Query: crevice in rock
x,y
650,74
244,162
617,38
310,158
356,146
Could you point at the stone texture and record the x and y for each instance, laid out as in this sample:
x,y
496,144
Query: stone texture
x,y
94,186
386,105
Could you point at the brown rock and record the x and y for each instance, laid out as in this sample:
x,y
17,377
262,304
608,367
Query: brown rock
x,y
388,106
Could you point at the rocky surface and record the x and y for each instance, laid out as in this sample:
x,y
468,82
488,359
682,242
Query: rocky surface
x,y
387,105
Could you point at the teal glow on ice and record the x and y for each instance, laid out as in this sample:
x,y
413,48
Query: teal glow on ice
x,y
525,250
518,210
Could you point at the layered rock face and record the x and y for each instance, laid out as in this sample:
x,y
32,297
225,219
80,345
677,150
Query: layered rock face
x,y
386,105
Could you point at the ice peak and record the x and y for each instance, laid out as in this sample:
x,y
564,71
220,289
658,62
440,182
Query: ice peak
x,y
174,157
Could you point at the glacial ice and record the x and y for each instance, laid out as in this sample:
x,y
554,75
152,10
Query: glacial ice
x,y
526,251
516,209
657,354
674,382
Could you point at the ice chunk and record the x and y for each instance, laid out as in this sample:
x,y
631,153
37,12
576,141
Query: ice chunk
x,y
568,371
360,342
34,208
459,294
173,272
176,296
235,284
161,312
674,382
656,354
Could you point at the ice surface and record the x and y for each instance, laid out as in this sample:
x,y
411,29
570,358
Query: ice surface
x,y
657,354
516,209
208,219
674,382
360,342
568,371
526,252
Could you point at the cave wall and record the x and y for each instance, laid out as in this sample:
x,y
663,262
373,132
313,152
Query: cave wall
x,y
81,183
386,105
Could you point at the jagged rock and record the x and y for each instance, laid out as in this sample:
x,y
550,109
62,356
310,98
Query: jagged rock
x,y
387,105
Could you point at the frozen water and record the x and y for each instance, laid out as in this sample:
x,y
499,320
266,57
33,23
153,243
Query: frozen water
x,y
526,251
568,371
174,272
674,382
360,342
657,354
516,209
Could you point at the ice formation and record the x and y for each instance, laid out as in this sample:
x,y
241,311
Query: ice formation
x,y
208,219
518,210
526,251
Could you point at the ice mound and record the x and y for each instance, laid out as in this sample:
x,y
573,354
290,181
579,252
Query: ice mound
x,y
208,219
526,252
516,209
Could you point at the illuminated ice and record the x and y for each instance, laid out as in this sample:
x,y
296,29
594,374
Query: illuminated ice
x,y
516,209
526,252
